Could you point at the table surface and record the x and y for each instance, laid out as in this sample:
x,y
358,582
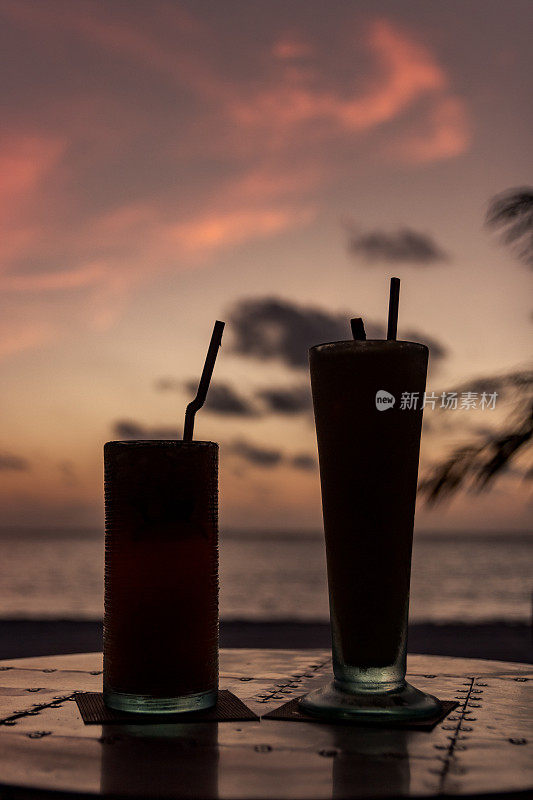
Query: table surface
x,y
483,746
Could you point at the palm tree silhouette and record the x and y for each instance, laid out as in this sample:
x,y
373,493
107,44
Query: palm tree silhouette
x,y
478,464
512,213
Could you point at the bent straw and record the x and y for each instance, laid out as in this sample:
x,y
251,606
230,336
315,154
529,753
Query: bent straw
x,y
358,329
203,386
394,299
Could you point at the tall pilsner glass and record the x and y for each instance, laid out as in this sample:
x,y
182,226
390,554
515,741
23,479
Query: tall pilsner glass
x,y
368,444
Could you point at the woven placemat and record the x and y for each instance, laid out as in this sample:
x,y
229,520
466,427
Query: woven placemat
x,y
291,713
228,709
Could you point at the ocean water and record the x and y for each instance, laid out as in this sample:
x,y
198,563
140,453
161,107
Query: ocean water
x,y
275,576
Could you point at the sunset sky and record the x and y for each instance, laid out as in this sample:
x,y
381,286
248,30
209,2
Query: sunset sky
x,y
270,164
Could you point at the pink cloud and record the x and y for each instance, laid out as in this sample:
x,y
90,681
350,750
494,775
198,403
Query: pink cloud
x,y
404,70
267,182
19,335
240,214
444,134
291,46
408,69
24,160
287,101
62,280
221,229
271,130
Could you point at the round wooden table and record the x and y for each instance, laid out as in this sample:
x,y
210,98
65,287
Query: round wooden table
x,y
485,746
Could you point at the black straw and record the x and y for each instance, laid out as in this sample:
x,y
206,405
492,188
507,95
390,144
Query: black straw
x,y
358,329
394,299
203,386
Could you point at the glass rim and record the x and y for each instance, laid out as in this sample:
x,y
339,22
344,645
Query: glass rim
x,y
152,442
365,342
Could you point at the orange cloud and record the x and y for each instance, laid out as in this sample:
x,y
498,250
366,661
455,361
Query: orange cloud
x,y
24,160
445,133
404,71
220,229
274,182
409,71
290,47
246,161
16,336
53,281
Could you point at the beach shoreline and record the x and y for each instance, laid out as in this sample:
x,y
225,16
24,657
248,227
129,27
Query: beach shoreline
x,y
498,640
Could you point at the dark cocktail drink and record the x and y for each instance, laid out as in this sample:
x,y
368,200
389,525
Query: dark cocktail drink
x,y
368,466
161,575
367,398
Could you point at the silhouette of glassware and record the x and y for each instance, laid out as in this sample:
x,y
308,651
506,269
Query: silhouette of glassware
x,y
161,575
368,469
161,568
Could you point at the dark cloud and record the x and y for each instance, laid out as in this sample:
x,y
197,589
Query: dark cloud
x,y
257,455
128,429
267,328
68,473
223,399
260,456
273,328
303,461
271,457
8,462
293,400
402,246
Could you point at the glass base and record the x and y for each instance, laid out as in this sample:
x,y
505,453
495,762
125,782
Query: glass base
x,y
402,703
144,704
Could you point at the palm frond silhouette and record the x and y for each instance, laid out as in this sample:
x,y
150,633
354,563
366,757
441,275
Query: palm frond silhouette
x,y
512,213
478,464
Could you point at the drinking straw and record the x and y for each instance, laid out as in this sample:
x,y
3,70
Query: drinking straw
x,y
394,299
358,329
203,386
